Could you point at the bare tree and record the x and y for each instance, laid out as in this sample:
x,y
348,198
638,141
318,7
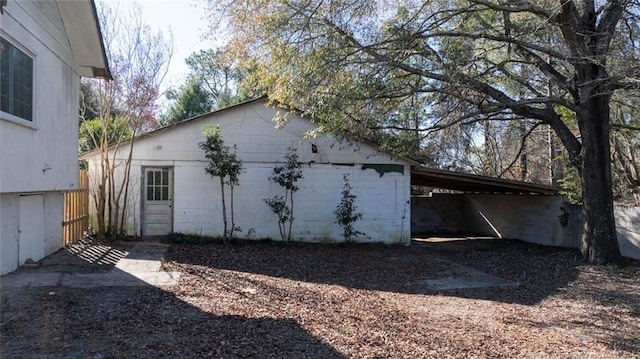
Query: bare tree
x,y
138,58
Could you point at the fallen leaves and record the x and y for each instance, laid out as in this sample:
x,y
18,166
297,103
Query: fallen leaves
x,y
356,301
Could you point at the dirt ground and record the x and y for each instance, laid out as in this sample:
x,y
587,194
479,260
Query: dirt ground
x,y
267,300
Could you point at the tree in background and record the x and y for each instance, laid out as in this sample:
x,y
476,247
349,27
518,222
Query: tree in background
x,y
114,112
190,101
224,164
213,82
352,64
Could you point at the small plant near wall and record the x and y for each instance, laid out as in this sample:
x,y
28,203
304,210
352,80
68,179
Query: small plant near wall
x,y
224,164
286,177
346,214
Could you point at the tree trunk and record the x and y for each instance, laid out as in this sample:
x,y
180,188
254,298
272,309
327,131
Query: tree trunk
x,y
224,213
290,216
233,220
599,239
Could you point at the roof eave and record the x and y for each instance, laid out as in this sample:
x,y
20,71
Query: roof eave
x,y
80,19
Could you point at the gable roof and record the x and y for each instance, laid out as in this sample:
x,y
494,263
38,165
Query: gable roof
x,y
420,175
81,23
191,121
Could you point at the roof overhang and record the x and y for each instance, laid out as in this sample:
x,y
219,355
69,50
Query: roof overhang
x,y
464,182
81,22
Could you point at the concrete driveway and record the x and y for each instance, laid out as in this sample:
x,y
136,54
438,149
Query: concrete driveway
x,y
87,265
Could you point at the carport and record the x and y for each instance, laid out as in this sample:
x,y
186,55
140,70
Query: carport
x,y
486,206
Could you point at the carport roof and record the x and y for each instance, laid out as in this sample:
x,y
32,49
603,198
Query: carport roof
x,y
422,176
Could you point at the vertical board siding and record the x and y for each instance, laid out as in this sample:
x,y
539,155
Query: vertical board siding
x,y
76,210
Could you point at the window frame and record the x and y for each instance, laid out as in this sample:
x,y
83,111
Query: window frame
x,y
155,189
9,117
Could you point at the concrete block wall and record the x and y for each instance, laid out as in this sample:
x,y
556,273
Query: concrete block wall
x,y
627,227
545,220
442,213
383,201
380,181
529,218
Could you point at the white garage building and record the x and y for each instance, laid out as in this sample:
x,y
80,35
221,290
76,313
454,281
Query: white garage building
x,y
169,162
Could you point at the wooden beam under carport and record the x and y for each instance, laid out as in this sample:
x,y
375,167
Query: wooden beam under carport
x,y
464,182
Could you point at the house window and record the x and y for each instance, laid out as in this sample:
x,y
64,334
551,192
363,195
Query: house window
x,y
16,88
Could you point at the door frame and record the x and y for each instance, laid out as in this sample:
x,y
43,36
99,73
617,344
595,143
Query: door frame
x,y
143,195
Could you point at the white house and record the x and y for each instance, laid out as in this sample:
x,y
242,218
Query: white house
x,y
171,192
46,46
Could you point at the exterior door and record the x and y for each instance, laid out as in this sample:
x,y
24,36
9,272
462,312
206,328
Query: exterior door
x,y
157,205
31,227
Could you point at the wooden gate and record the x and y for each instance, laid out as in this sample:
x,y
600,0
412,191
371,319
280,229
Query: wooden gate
x,y
76,210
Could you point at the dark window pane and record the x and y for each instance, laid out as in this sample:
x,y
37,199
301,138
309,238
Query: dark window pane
x,y
165,193
150,178
156,193
149,193
165,177
158,179
16,87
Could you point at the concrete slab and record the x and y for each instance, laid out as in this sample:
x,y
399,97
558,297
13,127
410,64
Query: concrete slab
x,y
116,278
93,280
158,279
463,277
140,267
33,279
148,251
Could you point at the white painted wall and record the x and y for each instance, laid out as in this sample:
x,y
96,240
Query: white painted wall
x,y
31,227
41,155
628,227
533,219
39,158
382,198
9,232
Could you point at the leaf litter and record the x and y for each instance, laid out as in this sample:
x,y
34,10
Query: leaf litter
x,y
265,300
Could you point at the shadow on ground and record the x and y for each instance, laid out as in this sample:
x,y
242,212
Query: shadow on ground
x,y
144,321
535,271
128,318
84,256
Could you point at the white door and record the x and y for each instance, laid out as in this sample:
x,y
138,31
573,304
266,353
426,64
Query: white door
x,y
157,212
31,227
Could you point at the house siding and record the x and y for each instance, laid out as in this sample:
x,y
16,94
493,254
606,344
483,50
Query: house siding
x,y
39,158
42,155
31,227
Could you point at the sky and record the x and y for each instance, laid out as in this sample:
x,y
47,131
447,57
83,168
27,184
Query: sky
x,y
185,20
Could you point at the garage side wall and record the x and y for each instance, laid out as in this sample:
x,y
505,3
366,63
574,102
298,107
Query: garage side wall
x,y
440,212
627,228
545,220
533,219
383,201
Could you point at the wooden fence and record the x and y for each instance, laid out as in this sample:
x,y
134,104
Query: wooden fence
x,y
76,210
